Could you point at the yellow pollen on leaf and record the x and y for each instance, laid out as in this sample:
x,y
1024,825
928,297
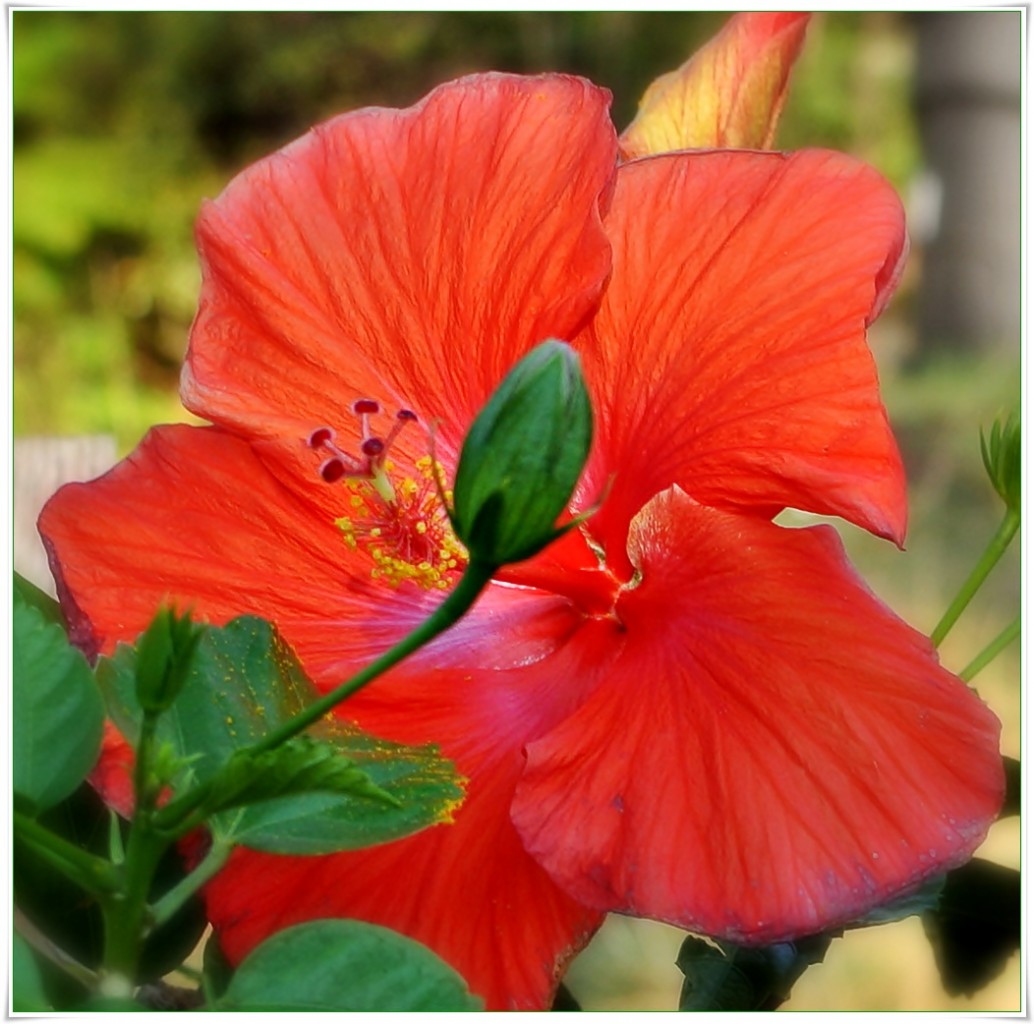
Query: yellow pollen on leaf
x,y
408,537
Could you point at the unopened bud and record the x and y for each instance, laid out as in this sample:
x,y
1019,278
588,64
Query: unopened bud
x,y
1001,452
522,458
164,655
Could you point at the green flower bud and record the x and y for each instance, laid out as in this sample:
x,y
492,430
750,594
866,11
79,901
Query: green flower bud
x,y
164,654
1001,453
522,458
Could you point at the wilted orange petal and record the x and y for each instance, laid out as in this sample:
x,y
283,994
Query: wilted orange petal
x,y
408,256
774,752
729,355
727,95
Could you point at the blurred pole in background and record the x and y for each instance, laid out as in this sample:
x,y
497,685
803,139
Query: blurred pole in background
x,y
968,106
41,466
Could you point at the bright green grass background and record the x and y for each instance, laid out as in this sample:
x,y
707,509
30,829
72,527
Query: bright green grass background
x,y
124,122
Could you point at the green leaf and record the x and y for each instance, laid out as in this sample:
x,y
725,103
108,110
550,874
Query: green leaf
x,y
301,765
58,713
245,682
28,593
68,916
1003,460
344,966
976,926
216,969
27,995
276,779
425,788
73,919
722,976
925,898
1013,787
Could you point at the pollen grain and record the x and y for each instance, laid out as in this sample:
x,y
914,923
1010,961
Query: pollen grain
x,y
408,538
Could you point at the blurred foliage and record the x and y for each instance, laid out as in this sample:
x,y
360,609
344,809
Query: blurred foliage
x,y
124,121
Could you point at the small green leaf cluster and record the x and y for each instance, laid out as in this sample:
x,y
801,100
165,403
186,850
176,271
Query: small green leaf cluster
x,y
1002,459
332,788
164,654
196,702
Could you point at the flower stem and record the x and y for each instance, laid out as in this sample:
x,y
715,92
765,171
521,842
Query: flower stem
x,y
992,650
190,810
49,949
92,874
127,918
989,559
211,864
445,615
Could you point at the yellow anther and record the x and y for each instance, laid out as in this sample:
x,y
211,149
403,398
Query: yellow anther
x,y
408,538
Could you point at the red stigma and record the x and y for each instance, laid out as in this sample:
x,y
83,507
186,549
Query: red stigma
x,y
368,462
332,470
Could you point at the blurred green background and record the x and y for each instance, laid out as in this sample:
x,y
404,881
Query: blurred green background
x,y
123,122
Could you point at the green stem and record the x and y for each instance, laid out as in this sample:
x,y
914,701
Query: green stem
x,y
48,949
992,650
189,810
92,874
127,919
445,615
989,559
145,789
209,867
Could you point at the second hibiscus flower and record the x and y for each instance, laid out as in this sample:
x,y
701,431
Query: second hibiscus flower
x,y
681,710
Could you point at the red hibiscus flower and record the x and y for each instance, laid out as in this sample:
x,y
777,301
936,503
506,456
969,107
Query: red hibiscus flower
x,y
682,710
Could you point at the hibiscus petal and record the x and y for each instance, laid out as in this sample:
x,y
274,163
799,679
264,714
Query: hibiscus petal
x,y
727,95
729,354
194,518
409,256
774,751
468,890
